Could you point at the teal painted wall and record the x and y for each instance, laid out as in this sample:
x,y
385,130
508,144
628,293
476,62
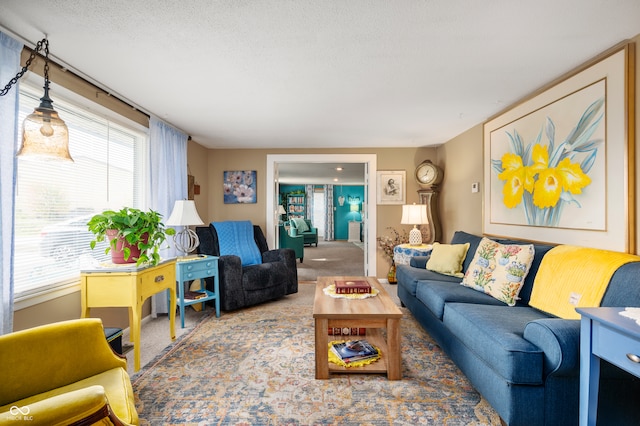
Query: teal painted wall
x,y
342,214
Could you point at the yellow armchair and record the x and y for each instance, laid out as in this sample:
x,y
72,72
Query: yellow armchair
x,y
64,373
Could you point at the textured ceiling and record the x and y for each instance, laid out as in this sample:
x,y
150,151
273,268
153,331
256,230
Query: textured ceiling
x,y
335,73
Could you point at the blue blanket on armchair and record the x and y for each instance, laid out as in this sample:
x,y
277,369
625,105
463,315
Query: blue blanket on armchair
x,y
236,238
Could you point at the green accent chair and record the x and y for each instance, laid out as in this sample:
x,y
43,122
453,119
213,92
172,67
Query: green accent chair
x,y
299,226
294,243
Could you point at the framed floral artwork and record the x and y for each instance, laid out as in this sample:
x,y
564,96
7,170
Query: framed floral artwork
x,y
240,187
390,186
557,166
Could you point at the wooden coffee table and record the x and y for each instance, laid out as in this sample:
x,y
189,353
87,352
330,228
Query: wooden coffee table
x,y
373,313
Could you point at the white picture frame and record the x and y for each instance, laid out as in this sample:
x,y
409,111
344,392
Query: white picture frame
x,y
391,186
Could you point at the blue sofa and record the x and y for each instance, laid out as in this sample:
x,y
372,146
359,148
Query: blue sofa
x,y
524,362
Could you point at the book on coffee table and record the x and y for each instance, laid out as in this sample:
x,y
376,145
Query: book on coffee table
x,y
352,286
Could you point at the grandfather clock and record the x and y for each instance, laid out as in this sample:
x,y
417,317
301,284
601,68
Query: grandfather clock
x,y
430,198
429,176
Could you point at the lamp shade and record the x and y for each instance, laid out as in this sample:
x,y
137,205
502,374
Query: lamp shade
x,y
184,214
281,209
354,207
414,214
45,136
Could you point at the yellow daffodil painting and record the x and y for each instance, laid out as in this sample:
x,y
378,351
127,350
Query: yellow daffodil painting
x,y
546,174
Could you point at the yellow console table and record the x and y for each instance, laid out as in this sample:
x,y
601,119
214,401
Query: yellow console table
x,y
129,286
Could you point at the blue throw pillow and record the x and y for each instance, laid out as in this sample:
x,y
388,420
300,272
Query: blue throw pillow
x,y
236,238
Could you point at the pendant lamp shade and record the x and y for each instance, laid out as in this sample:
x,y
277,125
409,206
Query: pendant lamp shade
x,y
44,135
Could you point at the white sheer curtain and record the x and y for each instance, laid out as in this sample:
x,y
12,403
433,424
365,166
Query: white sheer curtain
x,y
9,66
168,181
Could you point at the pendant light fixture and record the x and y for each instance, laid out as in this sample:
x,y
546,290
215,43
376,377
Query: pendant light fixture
x,y
44,134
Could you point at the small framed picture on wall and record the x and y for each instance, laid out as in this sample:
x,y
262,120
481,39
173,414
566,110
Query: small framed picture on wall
x,y
240,187
391,186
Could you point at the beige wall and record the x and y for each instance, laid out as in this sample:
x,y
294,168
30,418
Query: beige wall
x,y
241,159
461,159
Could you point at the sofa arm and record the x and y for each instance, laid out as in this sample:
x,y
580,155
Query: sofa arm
x,y
84,406
559,339
419,261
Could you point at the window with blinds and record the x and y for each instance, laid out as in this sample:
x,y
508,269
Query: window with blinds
x,y
54,200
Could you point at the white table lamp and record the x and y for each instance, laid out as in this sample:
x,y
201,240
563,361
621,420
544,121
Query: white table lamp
x,y
414,214
185,214
281,211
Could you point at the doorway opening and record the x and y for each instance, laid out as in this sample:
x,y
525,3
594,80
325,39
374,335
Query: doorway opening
x,y
369,216
319,207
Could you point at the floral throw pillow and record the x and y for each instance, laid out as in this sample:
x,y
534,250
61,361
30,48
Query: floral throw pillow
x,y
499,270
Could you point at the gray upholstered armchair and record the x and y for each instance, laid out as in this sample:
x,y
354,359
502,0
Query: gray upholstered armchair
x,y
275,275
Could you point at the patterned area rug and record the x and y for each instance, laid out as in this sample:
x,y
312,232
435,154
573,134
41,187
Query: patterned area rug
x,y
256,367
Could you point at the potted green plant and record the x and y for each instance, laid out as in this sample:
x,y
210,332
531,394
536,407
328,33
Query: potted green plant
x,y
134,235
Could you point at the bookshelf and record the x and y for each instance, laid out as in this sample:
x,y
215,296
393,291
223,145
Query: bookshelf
x,y
295,205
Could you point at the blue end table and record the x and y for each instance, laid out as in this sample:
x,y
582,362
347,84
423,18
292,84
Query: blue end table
x,y
193,268
604,334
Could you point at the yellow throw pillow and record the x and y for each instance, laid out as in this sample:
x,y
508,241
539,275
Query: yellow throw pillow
x,y
499,270
447,258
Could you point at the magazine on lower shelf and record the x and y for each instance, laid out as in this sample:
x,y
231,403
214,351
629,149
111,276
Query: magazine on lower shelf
x,y
354,350
194,295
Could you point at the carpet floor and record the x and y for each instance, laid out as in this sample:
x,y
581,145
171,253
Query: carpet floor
x,y
256,367
331,258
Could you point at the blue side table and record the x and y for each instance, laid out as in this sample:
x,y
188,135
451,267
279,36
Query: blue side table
x,y
193,268
604,334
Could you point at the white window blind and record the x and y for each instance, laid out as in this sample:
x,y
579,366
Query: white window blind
x,y
54,200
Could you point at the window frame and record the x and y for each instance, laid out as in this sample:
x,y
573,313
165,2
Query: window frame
x,y
31,83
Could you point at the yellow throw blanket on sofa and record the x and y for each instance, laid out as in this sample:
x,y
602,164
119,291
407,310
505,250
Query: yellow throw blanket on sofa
x,y
571,277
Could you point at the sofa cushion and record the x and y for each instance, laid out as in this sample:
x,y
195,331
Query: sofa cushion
x,y
116,386
619,292
572,276
495,334
540,251
499,270
447,258
435,294
461,237
409,276
264,275
236,238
